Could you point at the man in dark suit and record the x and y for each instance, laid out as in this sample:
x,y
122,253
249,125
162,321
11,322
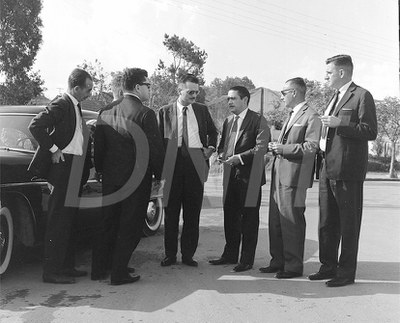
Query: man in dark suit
x,y
63,139
347,125
128,151
244,141
190,138
292,173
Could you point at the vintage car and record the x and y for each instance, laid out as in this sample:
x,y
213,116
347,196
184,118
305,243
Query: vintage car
x,y
23,200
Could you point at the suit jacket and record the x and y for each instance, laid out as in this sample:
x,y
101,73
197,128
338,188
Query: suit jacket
x,y
295,167
123,129
56,125
347,145
168,124
252,144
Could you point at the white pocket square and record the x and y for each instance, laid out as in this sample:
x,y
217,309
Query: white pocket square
x,y
297,125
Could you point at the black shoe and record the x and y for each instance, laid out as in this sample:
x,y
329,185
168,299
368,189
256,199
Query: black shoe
x,y
131,270
287,274
221,261
57,279
321,275
126,280
72,272
339,282
270,270
99,276
168,261
190,262
242,267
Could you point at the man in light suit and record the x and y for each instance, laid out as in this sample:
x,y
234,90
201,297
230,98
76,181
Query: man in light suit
x,y
291,175
347,125
128,151
64,140
244,142
190,138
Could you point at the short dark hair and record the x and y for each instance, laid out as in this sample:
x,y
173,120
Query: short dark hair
x,y
299,83
78,77
242,91
133,76
341,61
189,78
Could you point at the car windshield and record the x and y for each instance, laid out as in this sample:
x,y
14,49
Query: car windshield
x,y
14,132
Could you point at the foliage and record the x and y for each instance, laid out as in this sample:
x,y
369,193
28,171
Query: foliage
x,y
381,164
318,95
388,117
20,41
219,87
101,86
186,58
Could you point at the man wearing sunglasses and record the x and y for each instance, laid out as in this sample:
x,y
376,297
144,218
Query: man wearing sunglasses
x,y
190,138
128,151
291,175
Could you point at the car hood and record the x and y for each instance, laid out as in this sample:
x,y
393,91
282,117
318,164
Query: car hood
x,y
14,164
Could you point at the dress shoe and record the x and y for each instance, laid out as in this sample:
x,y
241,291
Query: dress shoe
x,y
287,274
126,280
242,267
57,279
72,272
221,261
270,270
168,261
131,270
99,276
321,275
190,262
339,282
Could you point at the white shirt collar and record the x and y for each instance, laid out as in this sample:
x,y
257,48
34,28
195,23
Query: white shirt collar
x,y
73,99
298,107
180,106
242,114
131,94
344,88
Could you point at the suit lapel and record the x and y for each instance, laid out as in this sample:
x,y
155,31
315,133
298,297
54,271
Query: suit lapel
x,y
173,120
244,125
298,115
345,98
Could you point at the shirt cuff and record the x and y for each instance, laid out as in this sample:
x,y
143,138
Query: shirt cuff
x,y
53,149
241,160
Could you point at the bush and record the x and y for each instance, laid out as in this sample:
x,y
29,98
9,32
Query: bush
x,y
381,164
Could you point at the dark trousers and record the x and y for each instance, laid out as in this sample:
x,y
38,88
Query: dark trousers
x,y
287,226
120,230
60,238
241,221
186,192
340,221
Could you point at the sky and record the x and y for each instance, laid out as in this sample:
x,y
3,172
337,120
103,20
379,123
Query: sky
x,y
268,41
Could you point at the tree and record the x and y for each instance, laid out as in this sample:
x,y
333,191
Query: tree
x,y
318,95
219,87
20,41
186,58
388,116
101,86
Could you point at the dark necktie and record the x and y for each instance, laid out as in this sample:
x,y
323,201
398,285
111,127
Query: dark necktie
x,y
185,136
285,127
331,108
80,109
230,148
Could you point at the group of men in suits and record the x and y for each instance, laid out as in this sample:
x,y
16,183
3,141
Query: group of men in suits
x,y
131,146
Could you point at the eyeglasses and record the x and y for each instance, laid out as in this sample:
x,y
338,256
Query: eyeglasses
x,y
284,92
193,92
147,84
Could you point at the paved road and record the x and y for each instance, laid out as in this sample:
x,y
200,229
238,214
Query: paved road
x,y
214,293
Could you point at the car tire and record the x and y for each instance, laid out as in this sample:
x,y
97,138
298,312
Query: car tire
x,y
6,238
154,216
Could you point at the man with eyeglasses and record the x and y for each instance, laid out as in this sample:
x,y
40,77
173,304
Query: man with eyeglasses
x,y
190,138
347,124
128,151
291,176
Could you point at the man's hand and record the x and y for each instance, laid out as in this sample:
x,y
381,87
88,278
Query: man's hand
x,y
57,156
330,121
208,152
98,177
276,148
233,160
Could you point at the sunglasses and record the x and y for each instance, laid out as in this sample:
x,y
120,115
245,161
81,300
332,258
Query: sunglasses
x,y
147,84
284,92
